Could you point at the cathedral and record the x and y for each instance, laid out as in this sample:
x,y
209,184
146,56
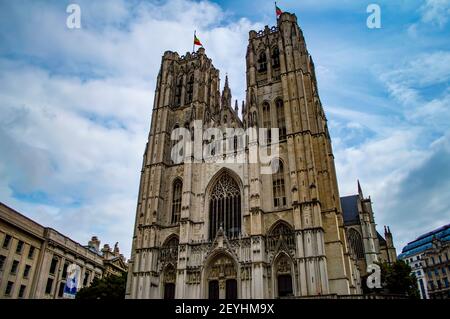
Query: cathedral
x,y
222,215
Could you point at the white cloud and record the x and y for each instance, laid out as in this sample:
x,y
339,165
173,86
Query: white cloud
x,y
436,12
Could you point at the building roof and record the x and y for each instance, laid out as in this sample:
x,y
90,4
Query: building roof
x,y
381,239
424,242
350,209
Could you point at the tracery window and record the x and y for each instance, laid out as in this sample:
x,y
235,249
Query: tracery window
x,y
176,200
279,193
190,89
178,89
281,119
262,62
267,123
356,243
225,207
275,58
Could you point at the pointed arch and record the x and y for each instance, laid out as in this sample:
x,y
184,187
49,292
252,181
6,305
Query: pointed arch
x,y
262,61
190,89
178,90
356,243
177,192
224,194
278,183
281,120
267,123
275,57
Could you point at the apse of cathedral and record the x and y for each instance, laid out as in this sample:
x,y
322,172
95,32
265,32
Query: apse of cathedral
x,y
221,226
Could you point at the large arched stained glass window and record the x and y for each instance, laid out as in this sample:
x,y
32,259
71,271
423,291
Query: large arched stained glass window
x,y
356,243
225,207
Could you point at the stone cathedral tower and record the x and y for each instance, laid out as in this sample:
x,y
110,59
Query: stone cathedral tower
x,y
219,227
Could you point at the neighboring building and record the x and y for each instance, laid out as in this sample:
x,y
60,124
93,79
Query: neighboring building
x,y
428,257
366,244
34,258
209,230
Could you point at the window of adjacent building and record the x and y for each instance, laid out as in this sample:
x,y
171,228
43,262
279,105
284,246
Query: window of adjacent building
x,y
9,287
6,241
64,273
436,272
61,289
443,271
14,267
279,194
86,278
2,261
281,119
31,252
446,256
432,261
430,274
176,200
19,247
22,291
53,265
446,283
440,258
49,286
431,284
26,271
439,285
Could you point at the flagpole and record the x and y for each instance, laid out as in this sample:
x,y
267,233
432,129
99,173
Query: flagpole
x,y
193,45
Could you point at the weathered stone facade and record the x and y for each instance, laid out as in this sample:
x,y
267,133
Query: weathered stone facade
x,y
215,230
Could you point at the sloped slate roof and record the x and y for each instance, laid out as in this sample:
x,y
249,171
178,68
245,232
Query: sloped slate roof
x,y
350,209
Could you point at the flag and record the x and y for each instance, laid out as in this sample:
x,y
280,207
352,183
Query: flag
x,y
72,282
197,41
277,10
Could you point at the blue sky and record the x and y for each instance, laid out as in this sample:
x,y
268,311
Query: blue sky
x,y
76,104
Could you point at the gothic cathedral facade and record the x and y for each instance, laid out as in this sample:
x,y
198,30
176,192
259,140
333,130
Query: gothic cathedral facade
x,y
214,229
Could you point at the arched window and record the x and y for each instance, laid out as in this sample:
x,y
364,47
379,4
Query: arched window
x,y
356,243
279,194
280,119
225,207
281,232
178,89
266,122
275,58
262,62
176,200
190,89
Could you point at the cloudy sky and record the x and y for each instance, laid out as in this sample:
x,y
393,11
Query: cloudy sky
x,y
75,104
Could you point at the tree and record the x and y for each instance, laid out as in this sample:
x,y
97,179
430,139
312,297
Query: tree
x,y
398,279
110,287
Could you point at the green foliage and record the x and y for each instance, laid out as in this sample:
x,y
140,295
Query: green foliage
x,y
397,279
111,287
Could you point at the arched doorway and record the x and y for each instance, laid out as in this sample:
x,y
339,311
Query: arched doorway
x,y
283,272
221,276
169,282
168,256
